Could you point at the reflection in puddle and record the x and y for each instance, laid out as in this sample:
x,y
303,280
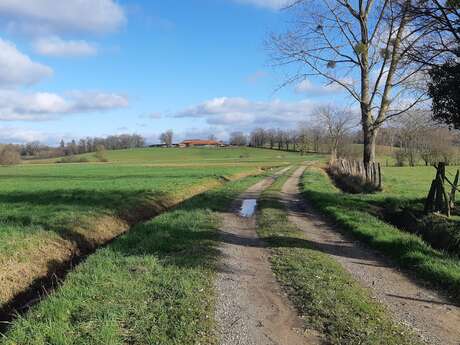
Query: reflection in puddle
x,y
248,208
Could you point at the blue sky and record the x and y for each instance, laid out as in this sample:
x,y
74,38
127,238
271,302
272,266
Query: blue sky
x,y
98,67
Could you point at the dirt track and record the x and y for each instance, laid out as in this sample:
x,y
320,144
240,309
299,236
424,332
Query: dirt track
x,y
251,308
427,313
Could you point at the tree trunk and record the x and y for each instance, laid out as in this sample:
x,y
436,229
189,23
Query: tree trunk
x,y
370,137
333,154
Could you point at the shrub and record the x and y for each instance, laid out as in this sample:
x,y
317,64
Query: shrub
x,y
73,159
400,157
9,156
101,154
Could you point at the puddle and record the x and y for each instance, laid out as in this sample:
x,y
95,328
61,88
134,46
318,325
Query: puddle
x,y
248,208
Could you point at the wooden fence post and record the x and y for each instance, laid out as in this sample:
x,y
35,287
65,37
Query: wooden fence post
x,y
454,189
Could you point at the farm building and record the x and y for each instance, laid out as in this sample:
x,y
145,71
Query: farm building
x,y
201,143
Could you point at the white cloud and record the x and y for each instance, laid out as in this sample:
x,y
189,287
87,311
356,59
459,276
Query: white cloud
x,y
17,68
270,4
307,87
39,106
96,101
17,135
240,112
51,16
55,46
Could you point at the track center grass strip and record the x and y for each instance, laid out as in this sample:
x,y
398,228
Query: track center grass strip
x,y
153,285
326,296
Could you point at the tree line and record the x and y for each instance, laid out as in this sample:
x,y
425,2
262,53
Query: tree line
x,y
413,138
85,145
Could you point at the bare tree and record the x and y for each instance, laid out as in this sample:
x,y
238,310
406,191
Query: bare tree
x,y
280,138
443,41
9,155
316,134
337,123
303,138
167,138
363,47
410,130
238,139
258,137
271,137
294,138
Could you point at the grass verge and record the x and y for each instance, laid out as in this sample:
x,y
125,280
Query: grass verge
x,y
153,285
409,251
326,296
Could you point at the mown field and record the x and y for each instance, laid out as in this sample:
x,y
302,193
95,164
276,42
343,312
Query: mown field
x,y
428,249
50,212
192,156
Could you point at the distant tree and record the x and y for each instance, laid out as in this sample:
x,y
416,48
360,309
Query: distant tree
x,y
9,155
212,137
303,138
444,89
73,148
286,140
82,146
411,128
419,137
258,137
337,123
271,137
32,148
101,154
316,135
238,139
167,138
280,138
293,138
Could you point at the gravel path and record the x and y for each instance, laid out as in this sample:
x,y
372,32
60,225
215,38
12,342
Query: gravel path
x,y
428,314
251,309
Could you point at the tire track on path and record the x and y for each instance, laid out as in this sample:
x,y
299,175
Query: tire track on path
x,y
426,312
251,309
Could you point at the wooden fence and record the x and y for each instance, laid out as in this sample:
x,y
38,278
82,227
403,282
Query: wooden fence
x,y
370,174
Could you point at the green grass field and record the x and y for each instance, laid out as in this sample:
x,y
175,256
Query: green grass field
x,y
153,285
50,212
194,156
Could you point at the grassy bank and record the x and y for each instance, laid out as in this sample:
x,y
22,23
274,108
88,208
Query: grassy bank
x,y
356,216
153,285
326,296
